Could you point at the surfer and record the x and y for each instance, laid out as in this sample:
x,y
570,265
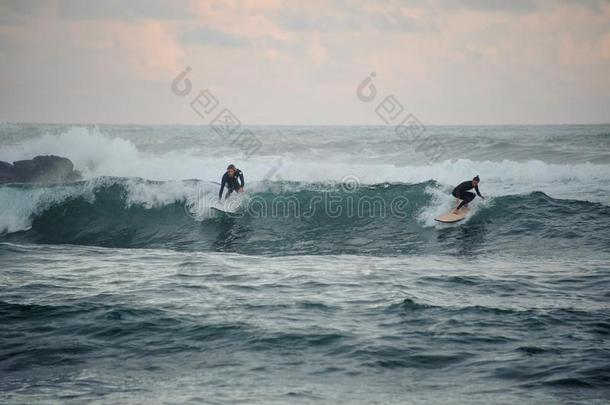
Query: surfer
x,y
461,192
233,179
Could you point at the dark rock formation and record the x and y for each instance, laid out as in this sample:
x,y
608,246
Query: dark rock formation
x,y
41,169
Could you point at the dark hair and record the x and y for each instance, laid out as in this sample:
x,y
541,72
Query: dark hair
x,y
476,178
231,167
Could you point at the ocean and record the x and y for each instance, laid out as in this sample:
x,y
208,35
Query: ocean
x,y
332,283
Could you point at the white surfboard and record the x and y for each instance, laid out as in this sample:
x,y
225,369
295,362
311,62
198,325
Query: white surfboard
x,y
450,217
227,206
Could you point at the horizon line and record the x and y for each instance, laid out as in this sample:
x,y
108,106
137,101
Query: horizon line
x,y
298,125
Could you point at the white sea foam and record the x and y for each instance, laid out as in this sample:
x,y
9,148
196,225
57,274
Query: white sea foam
x,y
97,155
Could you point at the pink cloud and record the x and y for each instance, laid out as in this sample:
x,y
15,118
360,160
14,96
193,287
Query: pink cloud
x,y
246,18
148,47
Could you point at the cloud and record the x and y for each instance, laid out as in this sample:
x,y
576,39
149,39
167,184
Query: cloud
x,y
148,47
511,6
122,10
247,18
19,12
462,61
350,16
318,54
211,37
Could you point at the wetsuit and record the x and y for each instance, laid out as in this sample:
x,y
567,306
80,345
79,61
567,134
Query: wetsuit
x,y
232,183
461,192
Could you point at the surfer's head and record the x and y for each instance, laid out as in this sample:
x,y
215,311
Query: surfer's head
x,y
231,169
476,180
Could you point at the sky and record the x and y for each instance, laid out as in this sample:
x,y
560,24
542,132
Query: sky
x,y
449,62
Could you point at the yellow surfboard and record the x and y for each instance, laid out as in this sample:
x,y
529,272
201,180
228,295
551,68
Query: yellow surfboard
x,y
450,217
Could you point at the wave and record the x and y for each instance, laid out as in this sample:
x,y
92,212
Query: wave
x,y
295,218
97,154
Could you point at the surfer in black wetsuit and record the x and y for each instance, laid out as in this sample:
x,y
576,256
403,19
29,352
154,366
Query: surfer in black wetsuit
x,y
461,192
233,179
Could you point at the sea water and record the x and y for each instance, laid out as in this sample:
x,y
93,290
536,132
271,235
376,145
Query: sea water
x,y
331,284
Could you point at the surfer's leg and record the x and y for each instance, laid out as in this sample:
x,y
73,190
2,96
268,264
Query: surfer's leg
x,y
466,197
455,210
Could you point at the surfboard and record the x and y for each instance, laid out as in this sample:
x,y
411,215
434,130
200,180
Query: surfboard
x,y
224,209
228,206
450,217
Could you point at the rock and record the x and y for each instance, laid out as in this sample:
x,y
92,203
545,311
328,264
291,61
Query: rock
x,y
6,173
41,169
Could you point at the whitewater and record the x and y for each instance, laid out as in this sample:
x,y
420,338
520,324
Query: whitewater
x,y
333,282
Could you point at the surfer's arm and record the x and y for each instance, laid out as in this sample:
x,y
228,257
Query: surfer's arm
x,y
241,180
222,187
478,192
